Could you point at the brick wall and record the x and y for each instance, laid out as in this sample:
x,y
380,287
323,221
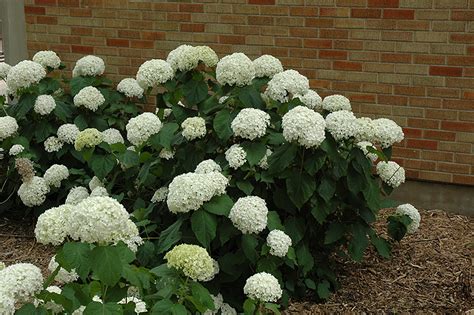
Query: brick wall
x,y
410,60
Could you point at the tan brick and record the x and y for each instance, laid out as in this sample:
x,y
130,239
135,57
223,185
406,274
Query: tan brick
x,y
451,26
394,78
447,49
397,36
378,67
465,137
379,46
411,69
428,81
433,37
437,156
454,147
413,47
432,15
450,4
435,176
365,34
407,111
424,4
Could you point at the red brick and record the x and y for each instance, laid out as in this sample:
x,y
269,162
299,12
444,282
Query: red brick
x,y
81,31
457,126
462,38
422,144
366,13
318,22
420,165
453,168
192,27
68,3
333,54
34,10
128,34
46,20
80,12
439,135
153,35
334,12
407,153
325,33
457,60
429,59
317,43
396,58
303,11
142,44
464,15
446,71
347,65
172,16
263,2
384,3
191,7
288,42
463,179
399,14
82,49
231,39
423,123
70,39
46,2
260,20
412,132
118,42
458,104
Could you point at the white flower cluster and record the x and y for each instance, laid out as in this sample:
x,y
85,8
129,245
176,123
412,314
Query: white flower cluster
x,y
412,212
336,102
391,173
219,305
363,146
236,156
24,74
16,149
341,124
140,306
18,283
236,69
279,242
142,127
112,136
186,57
90,98
89,66
95,182
47,58
190,191
88,138
267,66
287,82
160,195
249,214
55,174
193,128
44,104
154,72
194,261
250,123
311,99
101,220
4,69
53,144
263,287
264,161
63,275
365,130
67,133
304,126
207,166
130,88
166,154
51,305
387,132
8,127
76,195
99,192
33,192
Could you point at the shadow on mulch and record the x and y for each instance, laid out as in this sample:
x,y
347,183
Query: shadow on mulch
x,y
430,271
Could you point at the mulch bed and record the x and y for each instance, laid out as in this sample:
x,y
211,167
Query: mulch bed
x,y
430,272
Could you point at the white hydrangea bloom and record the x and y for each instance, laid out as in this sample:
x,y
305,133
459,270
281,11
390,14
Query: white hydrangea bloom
x,y
63,275
341,124
183,58
279,242
190,191
207,55
140,306
52,306
52,144
7,302
4,69
194,261
304,126
90,98
207,166
88,138
391,173
249,214
363,146
223,99
112,136
67,133
166,154
284,83
76,195
412,212
99,192
267,66
226,309
387,132
236,69
24,74
44,104
89,66
79,311
311,99
16,149
250,123
95,182
264,161
130,88
365,130
47,58
218,301
21,282
33,192
8,127
154,72
236,156
336,102
53,225
55,174
160,195
263,287
193,128
142,127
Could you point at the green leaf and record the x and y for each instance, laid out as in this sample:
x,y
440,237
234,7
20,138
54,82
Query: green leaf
x,y
281,158
334,233
144,172
300,188
102,165
204,226
179,309
323,289
314,162
96,308
30,309
387,152
245,186
295,227
129,158
310,284
162,307
250,306
106,264
25,104
48,86
170,236
397,226
355,181
202,295
43,131
381,245
250,97
78,83
275,308
327,188
195,91
75,256
222,123
63,111
274,222
380,154
249,246
255,151
359,241
165,136
219,205
305,259
81,122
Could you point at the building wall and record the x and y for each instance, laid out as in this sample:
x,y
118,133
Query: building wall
x,y
410,60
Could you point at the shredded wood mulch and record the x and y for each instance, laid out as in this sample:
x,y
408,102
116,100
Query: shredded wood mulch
x,y
430,271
